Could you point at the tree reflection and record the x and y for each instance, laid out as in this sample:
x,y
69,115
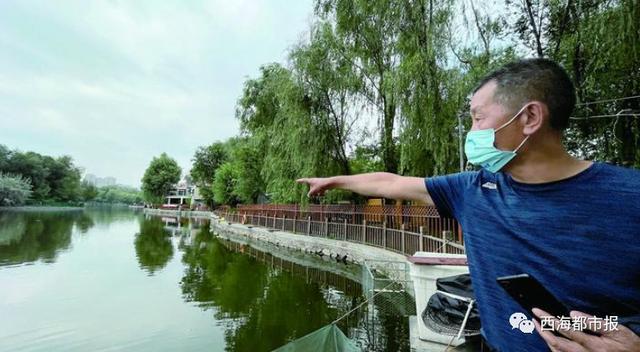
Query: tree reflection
x,y
107,215
264,307
290,309
31,236
153,245
216,276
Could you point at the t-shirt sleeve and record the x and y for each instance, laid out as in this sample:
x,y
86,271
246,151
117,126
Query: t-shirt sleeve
x,y
632,322
447,192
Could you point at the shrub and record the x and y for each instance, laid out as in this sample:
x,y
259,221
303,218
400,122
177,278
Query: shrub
x,y
14,190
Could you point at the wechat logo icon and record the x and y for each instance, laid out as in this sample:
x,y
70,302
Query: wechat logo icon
x,y
521,322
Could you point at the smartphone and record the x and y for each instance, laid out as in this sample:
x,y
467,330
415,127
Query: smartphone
x,y
530,293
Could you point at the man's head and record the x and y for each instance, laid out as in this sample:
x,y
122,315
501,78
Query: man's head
x,y
541,86
540,80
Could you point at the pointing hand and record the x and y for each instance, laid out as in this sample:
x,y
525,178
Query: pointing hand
x,y
317,185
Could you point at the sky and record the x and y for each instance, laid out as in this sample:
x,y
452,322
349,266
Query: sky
x,y
114,83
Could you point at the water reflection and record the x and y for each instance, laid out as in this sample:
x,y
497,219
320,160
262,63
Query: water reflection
x,y
201,292
38,235
153,244
216,276
262,306
106,215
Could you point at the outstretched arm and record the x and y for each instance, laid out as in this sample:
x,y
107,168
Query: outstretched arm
x,y
375,184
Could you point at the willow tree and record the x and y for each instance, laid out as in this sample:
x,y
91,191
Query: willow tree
x,y
247,160
435,90
430,94
224,184
598,41
329,83
367,32
269,112
601,48
277,112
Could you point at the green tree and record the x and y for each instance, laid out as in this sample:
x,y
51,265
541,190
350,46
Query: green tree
x,y
64,179
598,42
329,82
118,194
269,105
206,161
224,184
53,180
89,191
5,156
280,99
33,167
163,172
430,97
367,32
366,158
248,159
14,190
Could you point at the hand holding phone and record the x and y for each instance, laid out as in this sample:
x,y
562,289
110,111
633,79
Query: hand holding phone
x,y
530,293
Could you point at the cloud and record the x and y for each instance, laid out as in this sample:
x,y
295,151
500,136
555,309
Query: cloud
x,y
114,83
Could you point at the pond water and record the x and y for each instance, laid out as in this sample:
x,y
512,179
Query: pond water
x,y
114,279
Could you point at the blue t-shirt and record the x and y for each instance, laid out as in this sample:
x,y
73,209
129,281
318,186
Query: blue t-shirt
x,y
580,237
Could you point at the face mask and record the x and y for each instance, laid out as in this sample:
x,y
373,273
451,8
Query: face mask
x,y
480,150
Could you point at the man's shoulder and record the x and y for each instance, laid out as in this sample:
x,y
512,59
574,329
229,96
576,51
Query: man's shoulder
x,y
462,175
618,169
457,178
619,174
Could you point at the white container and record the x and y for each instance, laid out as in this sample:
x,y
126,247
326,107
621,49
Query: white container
x,y
424,283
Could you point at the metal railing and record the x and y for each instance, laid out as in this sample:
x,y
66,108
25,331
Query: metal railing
x,y
440,235
394,216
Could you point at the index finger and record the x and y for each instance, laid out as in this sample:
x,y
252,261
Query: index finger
x,y
600,328
302,180
555,343
569,332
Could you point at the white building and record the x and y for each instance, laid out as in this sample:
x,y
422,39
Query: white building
x,y
100,181
183,194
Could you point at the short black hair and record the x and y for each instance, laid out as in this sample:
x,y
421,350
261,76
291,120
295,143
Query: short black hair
x,y
535,79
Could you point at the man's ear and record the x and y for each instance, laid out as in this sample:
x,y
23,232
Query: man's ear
x,y
537,113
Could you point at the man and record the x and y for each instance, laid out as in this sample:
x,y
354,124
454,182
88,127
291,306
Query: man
x,y
533,208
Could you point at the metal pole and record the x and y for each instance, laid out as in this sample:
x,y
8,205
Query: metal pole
x,y
384,234
460,143
402,232
364,231
344,232
326,227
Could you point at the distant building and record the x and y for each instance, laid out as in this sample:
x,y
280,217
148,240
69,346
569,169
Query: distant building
x,y
185,194
100,181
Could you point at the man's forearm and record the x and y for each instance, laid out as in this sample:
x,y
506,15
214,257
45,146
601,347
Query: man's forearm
x,y
373,184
